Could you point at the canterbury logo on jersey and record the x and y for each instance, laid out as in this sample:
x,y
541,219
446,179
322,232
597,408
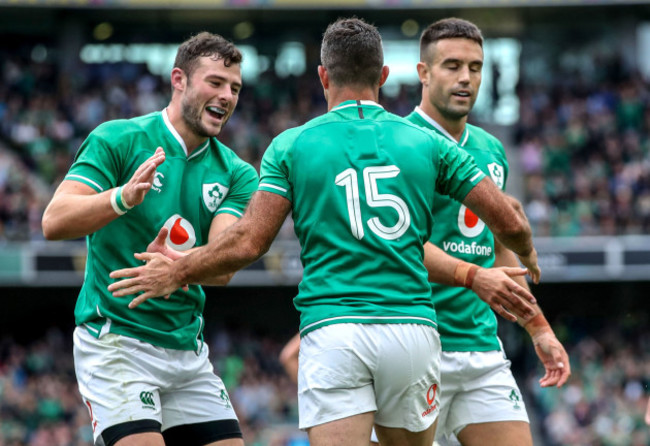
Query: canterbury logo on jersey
x,y
157,182
181,233
147,400
213,195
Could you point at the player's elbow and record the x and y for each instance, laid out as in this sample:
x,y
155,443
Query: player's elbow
x,y
52,230
286,356
514,228
252,249
223,279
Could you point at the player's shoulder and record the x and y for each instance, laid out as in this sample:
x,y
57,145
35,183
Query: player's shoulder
x,y
485,137
410,130
288,138
121,128
230,157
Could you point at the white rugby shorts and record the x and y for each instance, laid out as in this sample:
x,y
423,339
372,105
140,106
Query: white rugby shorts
x,y
477,387
349,369
122,379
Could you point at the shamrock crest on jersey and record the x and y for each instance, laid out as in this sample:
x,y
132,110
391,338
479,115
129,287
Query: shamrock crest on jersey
x,y
497,174
213,195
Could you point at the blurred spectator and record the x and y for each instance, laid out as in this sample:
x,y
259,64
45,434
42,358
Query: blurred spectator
x,y
40,404
585,156
585,144
605,400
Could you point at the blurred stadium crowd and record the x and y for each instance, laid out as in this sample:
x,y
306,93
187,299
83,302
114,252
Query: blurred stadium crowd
x,y
602,405
583,145
40,404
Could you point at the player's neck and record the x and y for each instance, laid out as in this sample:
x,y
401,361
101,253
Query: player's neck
x,y
337,95
191,140
455,127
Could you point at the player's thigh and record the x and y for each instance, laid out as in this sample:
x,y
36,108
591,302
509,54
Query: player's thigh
x,y
499,433
452,382
407,377
142,439
402,437
118,386
150,439
196,407
349,431
334,377
489,392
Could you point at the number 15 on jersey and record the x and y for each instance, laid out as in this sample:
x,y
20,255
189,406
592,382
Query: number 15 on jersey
x,y
349,179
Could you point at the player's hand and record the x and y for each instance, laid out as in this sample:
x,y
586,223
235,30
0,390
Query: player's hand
x,y
505,296
159,244
153,279
530,262
140,183
554,358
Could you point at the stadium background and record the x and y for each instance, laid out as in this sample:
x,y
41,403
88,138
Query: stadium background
x,y
565,88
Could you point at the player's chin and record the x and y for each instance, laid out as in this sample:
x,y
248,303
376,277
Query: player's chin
x,y
213,128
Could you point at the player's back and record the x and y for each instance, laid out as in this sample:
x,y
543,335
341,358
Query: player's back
x,y
362,187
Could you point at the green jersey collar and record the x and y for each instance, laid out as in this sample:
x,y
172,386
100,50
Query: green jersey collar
x,y
463,138
178,138
357,103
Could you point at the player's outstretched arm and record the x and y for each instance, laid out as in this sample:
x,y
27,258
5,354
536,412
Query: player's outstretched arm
x,y
548,348
219,223
232,249
493,285
77,210
289,357
505,217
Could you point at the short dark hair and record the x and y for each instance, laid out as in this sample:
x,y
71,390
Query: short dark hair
x,y
206,44
352,53
449,28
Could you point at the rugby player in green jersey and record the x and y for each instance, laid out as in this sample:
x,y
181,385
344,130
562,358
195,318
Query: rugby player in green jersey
x,y
145,375
480,401
360,183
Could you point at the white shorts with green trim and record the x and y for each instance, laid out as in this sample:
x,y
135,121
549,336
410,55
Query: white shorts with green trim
x,y
122,379
349,369
477,387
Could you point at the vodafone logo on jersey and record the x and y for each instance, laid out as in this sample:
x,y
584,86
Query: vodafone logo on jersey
x,y
181,233
468,223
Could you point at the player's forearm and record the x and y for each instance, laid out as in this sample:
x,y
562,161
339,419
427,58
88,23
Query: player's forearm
x,y
71,216
240,244
504,216
439,264
505,257
520,238
228,253
220,280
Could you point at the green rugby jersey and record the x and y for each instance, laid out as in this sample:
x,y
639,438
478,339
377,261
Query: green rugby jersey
x,y
361,182
187,193
465,322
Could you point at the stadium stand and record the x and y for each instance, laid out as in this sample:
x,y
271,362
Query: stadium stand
x,y
603,404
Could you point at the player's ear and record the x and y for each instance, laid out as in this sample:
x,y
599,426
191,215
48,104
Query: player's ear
x,y
423,73
324,77
384,75
179,79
